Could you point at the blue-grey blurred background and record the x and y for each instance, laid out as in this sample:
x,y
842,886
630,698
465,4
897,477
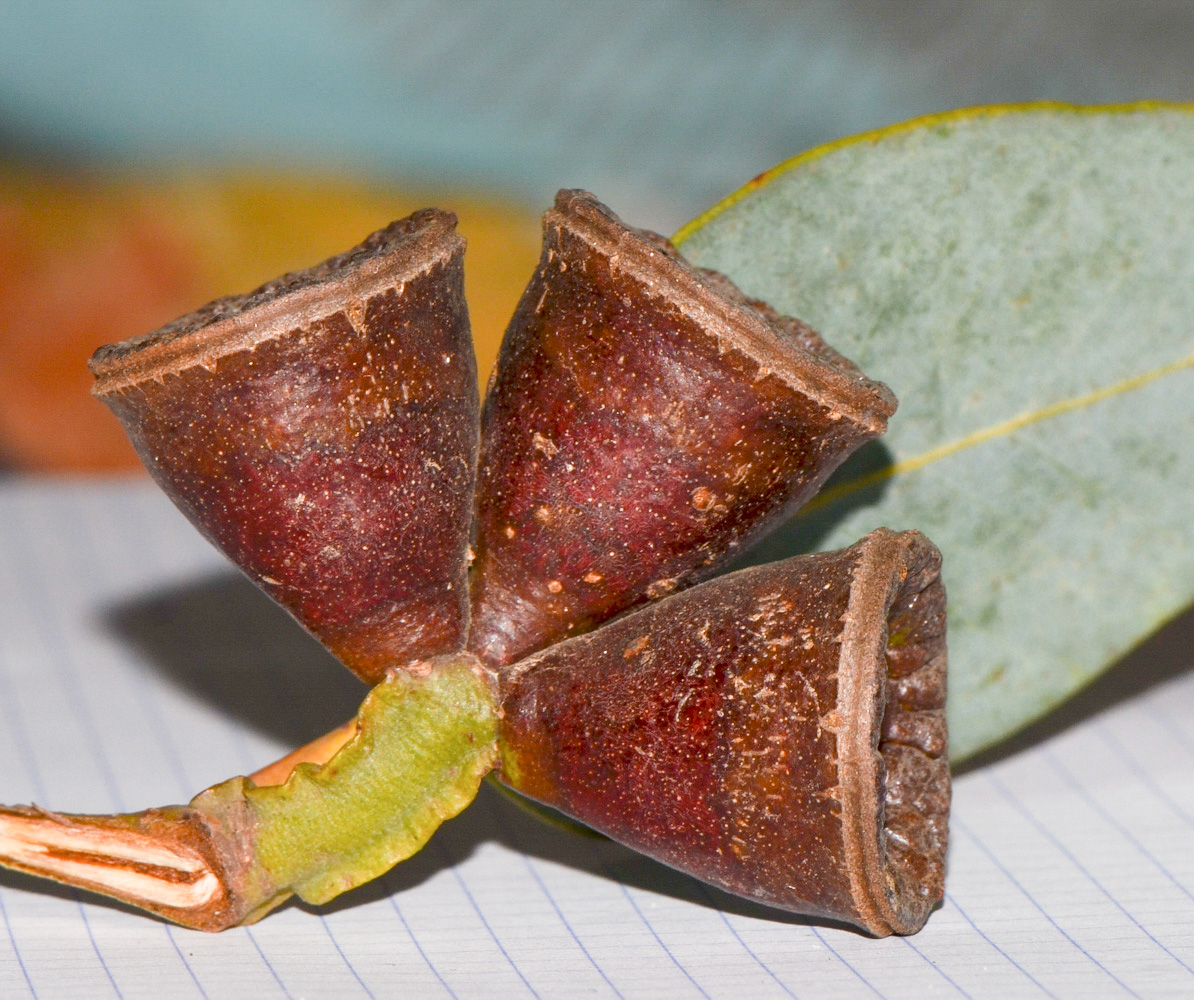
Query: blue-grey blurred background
x,y
659,106
662,106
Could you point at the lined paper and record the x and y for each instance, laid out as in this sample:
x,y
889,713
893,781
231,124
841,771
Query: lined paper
x,y
137,668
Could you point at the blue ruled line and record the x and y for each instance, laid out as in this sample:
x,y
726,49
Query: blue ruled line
x,y
1144,777
646,923
15,950
95,944
414,940
340,951
1115,824
265,958
726,920
958,825
496,815
666,950
952,901
1046,833
185,964
834,952
439,842
1180,736
933,965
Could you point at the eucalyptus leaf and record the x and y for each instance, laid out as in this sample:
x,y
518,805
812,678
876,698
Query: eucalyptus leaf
x,y
1023,278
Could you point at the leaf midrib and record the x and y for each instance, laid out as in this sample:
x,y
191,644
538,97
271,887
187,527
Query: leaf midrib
x,y
995,431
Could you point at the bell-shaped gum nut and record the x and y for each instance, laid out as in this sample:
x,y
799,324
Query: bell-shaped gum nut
x,y
322,432
645,421
778,732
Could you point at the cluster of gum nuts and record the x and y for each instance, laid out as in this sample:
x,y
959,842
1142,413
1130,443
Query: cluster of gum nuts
x,y
516,581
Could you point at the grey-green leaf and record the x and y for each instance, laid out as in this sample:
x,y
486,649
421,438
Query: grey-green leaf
x,y
1024,280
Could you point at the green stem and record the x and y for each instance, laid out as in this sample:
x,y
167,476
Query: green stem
x,y
422,746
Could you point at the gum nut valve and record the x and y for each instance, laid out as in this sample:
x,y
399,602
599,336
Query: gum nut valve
x,y
778,732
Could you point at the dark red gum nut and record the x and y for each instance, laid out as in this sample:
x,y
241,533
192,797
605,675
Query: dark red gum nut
x,y
645,421
322,432
778,732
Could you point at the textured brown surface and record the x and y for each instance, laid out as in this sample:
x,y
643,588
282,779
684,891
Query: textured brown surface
x,y
645,421
778,732
322,432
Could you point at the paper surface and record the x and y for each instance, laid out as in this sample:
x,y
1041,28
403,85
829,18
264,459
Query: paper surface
x,y
136,667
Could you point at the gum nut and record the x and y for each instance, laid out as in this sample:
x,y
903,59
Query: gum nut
x,y
322,432
645,422
778,732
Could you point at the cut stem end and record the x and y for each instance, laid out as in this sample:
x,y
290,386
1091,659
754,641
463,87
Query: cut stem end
x,y
166,861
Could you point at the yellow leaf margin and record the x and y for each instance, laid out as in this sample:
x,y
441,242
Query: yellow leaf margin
x,y
925,121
